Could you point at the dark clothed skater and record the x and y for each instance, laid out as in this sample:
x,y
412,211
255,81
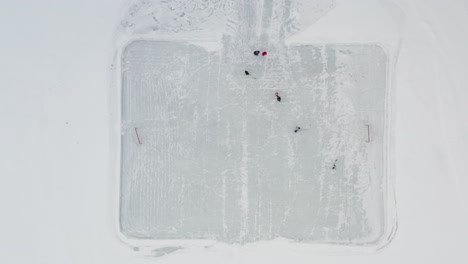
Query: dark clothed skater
x,y
334,165
256,52
278,98
248,74
297,129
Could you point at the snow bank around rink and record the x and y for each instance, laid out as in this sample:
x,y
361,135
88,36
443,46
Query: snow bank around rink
x,y
203,23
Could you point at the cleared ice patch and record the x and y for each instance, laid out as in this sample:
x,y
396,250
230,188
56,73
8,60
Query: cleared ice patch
x,y
208,153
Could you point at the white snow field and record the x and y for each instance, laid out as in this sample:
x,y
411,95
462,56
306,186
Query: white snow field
x,y
207,152
61,136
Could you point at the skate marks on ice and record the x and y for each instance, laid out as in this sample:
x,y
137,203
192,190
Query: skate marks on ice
x,y
219,158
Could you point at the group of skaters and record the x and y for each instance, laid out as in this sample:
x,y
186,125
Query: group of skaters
x,y
278,97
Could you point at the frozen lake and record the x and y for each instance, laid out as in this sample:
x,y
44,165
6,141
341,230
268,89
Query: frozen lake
x,y
219,158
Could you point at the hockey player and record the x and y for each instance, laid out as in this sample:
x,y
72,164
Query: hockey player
x,y
248,74
278,98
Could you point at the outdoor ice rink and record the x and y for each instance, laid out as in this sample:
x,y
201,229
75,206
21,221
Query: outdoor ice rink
x,y
219,159
131,135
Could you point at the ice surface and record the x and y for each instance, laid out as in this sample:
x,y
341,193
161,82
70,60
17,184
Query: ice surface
x,y
219,159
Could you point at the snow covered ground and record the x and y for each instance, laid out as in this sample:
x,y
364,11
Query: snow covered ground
x,y
58,189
